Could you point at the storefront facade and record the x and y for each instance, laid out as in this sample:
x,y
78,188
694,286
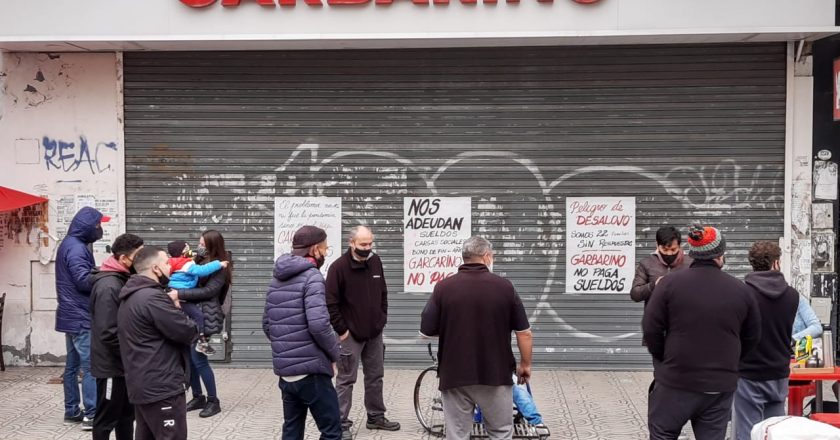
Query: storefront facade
x,y
224,110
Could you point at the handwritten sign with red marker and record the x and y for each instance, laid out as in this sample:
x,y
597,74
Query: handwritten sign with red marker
x,y
435,230
600,244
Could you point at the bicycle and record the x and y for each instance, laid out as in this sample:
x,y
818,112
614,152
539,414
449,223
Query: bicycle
x,y
428,407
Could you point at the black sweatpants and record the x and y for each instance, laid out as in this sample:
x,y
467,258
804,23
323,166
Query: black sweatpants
x,y
669,409
113,410
163,420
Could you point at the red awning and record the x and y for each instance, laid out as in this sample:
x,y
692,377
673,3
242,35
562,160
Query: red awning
x,y
11,199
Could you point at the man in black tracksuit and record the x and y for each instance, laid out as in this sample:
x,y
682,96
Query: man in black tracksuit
x,y
113,410
154,342
697,325
357,299
763,385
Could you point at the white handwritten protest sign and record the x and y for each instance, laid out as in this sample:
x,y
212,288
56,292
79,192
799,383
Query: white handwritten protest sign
x,y
290,213
600,244
435,230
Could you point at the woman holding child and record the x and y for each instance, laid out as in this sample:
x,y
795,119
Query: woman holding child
x,y
209,295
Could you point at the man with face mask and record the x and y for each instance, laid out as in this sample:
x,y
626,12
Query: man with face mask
x,y
304,348
668,257
73,263
474,313
113,410
357,298
154,345
698,325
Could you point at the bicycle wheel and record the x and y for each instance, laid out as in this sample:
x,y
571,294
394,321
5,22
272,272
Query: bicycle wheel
x,y
428,405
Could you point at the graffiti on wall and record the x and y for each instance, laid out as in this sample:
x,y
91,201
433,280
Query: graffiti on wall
x,y
704,192
67,156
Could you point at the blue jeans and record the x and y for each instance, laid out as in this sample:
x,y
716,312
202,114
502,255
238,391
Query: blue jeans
x,y
200,371
316,394
524,402
78,358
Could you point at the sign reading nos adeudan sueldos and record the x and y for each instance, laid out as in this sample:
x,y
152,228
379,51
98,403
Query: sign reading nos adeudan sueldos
x,y
600,244
435,230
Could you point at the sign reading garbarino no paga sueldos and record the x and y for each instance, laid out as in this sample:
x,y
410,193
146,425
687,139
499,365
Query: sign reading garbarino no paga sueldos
x,y
290,213
600,244
434,232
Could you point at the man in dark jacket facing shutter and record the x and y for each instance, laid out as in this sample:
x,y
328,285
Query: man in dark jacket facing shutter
x,y
357,298
698,324
474,312
304,348
113,410
763,385
154,342
73,263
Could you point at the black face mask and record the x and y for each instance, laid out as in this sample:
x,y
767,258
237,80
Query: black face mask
x,y
163,279
364,253
319,262
669,259
98,234
200,252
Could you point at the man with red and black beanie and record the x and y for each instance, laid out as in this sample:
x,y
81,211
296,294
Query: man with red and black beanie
x,y
697,325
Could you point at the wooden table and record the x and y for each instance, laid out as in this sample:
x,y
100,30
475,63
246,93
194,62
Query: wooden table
x,y
818,377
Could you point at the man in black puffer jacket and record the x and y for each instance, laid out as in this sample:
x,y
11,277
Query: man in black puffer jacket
x,y
763,385
113,410
154,343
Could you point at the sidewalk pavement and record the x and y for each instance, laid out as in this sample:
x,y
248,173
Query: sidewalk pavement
x,y
576,405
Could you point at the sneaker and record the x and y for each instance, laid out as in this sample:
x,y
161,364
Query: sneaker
x,y
346,434
78,418
211,409
382,423
205,348
198,402
87,424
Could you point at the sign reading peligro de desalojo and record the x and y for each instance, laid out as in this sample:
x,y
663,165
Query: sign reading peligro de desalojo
x,y
435,230
600,244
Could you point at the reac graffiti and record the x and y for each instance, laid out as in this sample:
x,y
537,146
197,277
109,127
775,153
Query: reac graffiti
x,y
68,156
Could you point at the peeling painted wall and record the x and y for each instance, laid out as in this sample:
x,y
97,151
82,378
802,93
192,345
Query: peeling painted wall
x,y
61,138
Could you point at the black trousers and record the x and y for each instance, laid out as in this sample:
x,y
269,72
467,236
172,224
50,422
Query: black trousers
x,y
163,420
669,409
113,410
314,393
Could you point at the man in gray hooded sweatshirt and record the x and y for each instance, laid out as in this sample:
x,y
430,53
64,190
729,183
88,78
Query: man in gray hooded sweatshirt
x,y
763,372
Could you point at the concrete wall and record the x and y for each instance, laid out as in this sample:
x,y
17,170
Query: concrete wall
x,y
60,137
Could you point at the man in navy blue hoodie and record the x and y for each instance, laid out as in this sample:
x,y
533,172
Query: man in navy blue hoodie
x,y
73,263
303,346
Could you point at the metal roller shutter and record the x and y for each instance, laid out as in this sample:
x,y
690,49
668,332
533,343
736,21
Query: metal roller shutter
x,y
694,132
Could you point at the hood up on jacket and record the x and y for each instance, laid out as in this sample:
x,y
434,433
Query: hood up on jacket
x,y
136,283
85,225
770,283
288,266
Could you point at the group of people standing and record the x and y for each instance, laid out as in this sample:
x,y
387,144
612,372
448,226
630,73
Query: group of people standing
x,y
720,346
128,337
321,327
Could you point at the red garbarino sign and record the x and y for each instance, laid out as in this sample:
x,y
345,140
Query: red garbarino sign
x,y
600,244
435,230
836,89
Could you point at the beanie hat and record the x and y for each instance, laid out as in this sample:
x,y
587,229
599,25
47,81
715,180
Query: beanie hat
x,y
308,236
176,248
705,242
